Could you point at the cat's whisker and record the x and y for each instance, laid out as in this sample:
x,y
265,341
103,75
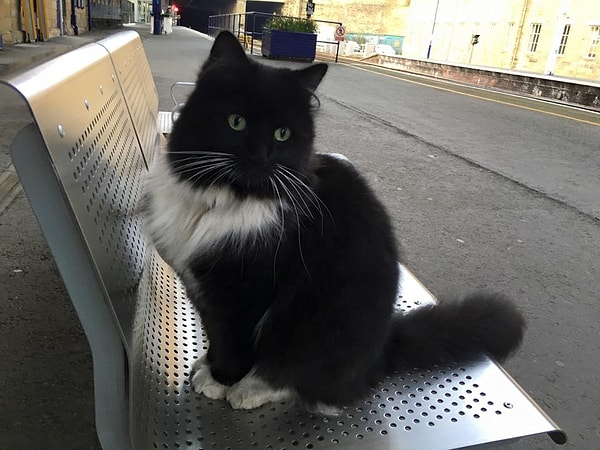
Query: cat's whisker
x,y
199,165
282,225
312,197
197,158
294,201
202,166
201,159
201,172
298,210
206,173
317,202
306,210
184,163
295,205
308,197
198,152
211,156
221,174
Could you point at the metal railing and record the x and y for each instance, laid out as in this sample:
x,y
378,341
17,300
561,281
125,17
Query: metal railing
x,y
248,27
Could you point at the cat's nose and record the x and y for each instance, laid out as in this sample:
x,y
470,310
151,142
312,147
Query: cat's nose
x,y
260,155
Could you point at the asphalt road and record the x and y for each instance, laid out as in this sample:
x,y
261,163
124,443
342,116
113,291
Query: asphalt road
x,y
489,195
487,192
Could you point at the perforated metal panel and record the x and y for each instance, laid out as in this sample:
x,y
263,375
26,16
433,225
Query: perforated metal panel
x,y
133,72
449,407
164,122
91,140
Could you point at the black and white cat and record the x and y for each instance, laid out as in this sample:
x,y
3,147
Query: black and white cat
x,y
288,255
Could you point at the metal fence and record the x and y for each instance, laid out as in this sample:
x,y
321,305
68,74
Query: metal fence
x,y
248,27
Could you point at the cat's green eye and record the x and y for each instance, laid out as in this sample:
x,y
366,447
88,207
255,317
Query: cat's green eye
x,y
282,134
236,122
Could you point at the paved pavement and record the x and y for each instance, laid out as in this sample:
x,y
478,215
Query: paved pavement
x,y
13,114
471,204
492,193
20,56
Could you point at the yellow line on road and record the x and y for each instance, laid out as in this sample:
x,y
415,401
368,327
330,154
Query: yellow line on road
x,y
378,72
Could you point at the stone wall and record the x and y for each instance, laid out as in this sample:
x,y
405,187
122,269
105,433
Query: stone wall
x,y
11,26
53,30
576,92
358,16
10,22
82,20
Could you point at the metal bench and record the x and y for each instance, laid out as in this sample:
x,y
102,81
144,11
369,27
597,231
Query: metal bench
x,y
81,164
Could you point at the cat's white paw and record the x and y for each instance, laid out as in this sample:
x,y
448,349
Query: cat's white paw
x,y
323,409
204,383
251,392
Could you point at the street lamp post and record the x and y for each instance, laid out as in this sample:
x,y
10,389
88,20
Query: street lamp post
x,y
437,5
156,10
474,41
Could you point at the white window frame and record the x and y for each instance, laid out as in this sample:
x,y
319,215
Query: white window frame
x,y
534,36
593,48
564,39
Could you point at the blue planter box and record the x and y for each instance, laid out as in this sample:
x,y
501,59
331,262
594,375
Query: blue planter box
x,y
278,44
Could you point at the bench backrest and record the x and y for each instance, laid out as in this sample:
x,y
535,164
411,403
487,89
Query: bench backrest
x,y
134,74
79,104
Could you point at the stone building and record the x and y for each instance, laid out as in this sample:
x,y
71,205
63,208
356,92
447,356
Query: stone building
x,y
560,37
34,20
358,16
59,17
9,21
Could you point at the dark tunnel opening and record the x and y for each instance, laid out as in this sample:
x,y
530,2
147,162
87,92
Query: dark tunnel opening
x,y
195,13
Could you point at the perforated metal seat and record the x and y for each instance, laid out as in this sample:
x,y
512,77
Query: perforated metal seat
x,y
82,165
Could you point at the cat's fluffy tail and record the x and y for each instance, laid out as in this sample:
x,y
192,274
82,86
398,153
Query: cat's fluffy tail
x,y
455,331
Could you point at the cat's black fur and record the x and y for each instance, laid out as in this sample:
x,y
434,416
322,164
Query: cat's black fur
x,y
310,304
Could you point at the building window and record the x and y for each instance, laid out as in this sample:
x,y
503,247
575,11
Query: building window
x,y
563,39
534,36
594,41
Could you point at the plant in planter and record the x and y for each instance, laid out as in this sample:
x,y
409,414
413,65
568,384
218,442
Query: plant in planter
x,y
290,38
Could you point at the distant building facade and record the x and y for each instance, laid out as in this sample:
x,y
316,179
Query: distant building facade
x,y
358,16
560,37
30,21
21,22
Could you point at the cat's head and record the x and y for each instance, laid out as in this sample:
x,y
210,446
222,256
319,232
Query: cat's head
x,y
246,125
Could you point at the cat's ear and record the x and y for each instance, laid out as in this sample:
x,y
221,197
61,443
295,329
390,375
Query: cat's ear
x,y
311,76
227,48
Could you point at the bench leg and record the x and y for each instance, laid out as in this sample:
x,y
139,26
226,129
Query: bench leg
x,y
111,397
47,199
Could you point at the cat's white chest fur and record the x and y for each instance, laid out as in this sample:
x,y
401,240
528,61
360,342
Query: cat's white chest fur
x,y
183,221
